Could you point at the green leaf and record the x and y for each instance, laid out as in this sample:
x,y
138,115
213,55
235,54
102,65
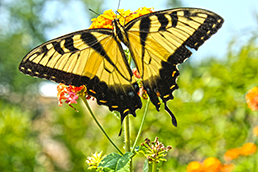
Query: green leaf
x,y
146,166
116,162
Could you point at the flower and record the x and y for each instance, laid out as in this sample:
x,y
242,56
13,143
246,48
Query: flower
x,y
227,168
71,98
136,73
105,20
252,98
61,91
94,160
248,149
69,94
154,151
232,154
194,166
212,164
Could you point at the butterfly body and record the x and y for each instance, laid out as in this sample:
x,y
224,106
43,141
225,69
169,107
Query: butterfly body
x,y
158,42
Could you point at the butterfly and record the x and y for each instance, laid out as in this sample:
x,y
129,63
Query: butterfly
x,y
158,43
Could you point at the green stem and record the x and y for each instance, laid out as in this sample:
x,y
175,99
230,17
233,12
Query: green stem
x,y
141,126
154,166
97,122
127,133
129,58
127,138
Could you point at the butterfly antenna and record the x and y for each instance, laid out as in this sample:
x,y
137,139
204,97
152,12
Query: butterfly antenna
x,y
118,12
94,12
118,5
118,8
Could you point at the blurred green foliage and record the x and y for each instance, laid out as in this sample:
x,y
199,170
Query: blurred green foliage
x,y
37,135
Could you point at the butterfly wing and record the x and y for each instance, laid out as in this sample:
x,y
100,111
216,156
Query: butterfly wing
x,y
89,57
160,41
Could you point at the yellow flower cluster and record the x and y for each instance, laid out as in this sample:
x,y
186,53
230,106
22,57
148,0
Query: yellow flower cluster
x,y
94,160
105,20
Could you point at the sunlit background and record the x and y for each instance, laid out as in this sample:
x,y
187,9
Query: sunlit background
x,y
38,135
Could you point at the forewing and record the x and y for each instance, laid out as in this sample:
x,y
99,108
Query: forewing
x,y
90,57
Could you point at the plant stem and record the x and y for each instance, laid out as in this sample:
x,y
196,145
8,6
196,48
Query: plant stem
x,y
154,166
141,126
127,133
99,125
127,138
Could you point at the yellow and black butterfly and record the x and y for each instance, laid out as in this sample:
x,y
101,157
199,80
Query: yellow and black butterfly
x,y
158,42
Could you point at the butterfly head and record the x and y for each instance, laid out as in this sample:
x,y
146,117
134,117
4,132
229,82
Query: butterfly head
x,y
116,23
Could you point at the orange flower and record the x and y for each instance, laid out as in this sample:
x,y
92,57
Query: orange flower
x,y
252,98
232,154
248,149
194,166
227,168
255,131
211,165
105,20
61,93
69,94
